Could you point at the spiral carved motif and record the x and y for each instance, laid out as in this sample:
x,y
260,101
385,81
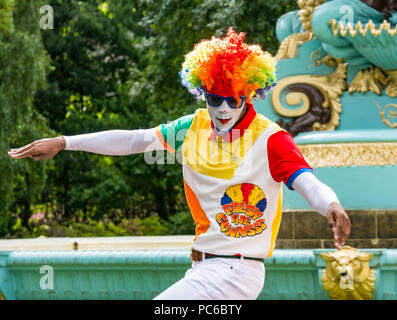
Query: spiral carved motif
x,y
330,86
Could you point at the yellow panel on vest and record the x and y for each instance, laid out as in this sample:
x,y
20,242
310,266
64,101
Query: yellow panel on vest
x,y
217,158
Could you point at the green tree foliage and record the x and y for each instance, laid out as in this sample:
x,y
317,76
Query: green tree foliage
x,y
22,71
114,65
6,23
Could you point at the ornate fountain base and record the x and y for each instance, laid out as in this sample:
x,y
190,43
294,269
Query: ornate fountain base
x,y
141,272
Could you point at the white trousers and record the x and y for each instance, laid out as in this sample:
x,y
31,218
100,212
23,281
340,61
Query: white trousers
x,y
219,279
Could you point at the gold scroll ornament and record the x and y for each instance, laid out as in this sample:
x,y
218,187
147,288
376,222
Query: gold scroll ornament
x,y
331,86
347,275
388,114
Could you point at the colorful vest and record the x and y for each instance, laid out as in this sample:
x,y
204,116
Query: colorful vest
x,y
234,201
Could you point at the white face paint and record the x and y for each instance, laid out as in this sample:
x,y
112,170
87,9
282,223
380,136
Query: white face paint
x,y
224,117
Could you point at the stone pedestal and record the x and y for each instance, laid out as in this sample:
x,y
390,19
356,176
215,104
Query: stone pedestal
x,y
309,230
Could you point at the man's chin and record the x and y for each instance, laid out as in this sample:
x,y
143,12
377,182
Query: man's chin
x,y
223,130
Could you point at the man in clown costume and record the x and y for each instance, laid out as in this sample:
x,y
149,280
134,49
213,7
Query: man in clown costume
x,y
234,163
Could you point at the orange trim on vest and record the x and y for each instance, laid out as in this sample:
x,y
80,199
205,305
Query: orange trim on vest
x,y
276,222
199,216
165,144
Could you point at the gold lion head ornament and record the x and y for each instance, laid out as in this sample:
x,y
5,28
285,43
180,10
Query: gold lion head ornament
x,y
347,275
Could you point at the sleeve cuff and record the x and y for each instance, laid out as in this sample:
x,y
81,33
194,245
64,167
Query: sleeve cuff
x,y
295,175
67,143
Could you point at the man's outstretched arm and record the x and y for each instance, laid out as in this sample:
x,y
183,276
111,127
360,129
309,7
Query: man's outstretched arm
x,y
324,200
287,164
111,142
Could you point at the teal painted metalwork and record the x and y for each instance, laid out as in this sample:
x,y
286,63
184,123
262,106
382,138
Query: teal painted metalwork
x,y
364,187
6,285
111,274
360,49
347,136
360,110
292,275
142,274
358,188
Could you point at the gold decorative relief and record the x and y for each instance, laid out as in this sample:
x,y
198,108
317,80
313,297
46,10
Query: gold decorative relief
x,y
290,45
391,89
347,275
350,154
371,79
306,12
388,114
370,26
331,87
317,60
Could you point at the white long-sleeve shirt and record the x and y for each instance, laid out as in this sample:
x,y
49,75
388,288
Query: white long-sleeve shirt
x,y
126,142
115,142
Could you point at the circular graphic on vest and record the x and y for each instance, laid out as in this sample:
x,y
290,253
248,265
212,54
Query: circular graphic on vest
x,y
243,206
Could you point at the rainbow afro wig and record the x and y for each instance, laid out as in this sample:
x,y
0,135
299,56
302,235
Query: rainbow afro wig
x,y
228,67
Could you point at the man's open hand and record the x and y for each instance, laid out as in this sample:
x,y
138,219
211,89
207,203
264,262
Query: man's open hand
x,y
339,223
40,149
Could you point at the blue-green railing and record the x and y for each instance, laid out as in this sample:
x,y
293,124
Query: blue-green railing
x,y
142,274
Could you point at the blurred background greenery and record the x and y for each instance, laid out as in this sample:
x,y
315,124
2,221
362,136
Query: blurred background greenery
x,y
105,65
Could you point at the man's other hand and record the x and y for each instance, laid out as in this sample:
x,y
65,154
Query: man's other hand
x,y
339,223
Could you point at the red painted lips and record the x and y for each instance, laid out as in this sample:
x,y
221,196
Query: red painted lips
x,y
223,121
